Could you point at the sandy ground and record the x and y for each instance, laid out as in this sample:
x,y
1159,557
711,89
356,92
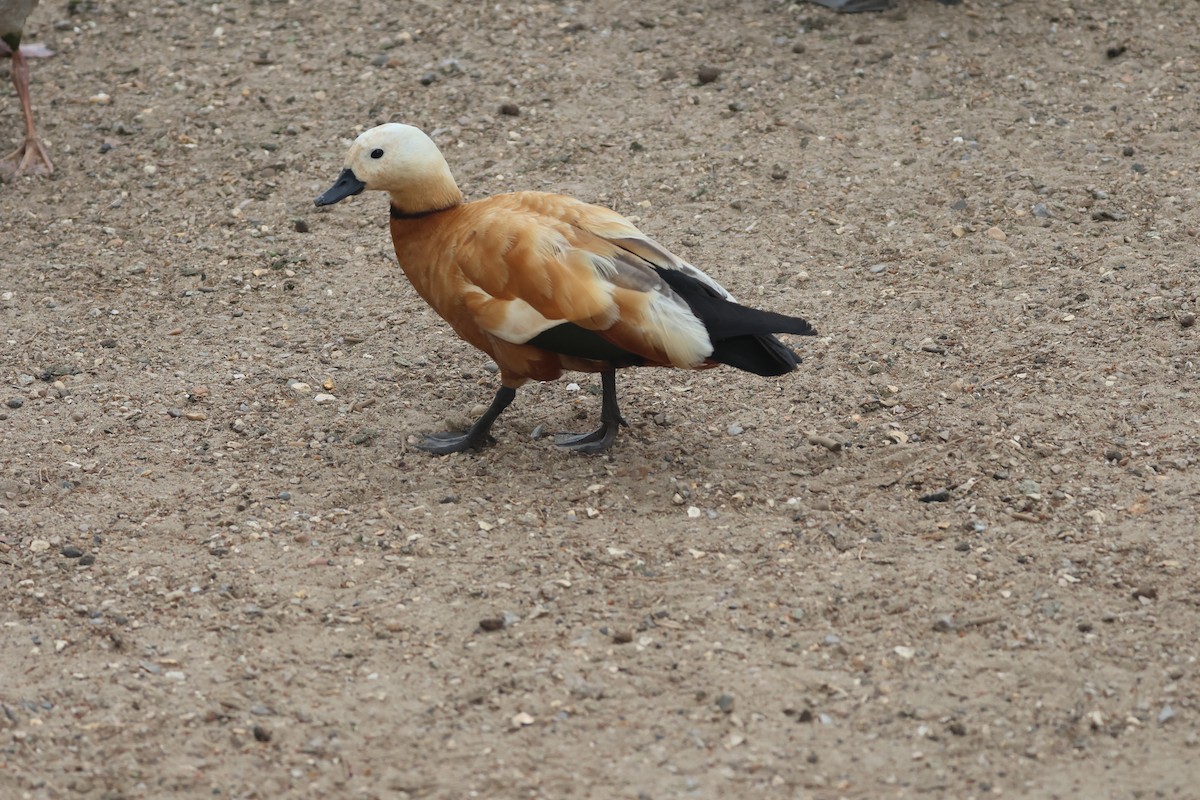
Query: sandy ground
x,y
226,572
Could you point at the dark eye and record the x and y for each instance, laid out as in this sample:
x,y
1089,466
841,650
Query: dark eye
x,y
376,153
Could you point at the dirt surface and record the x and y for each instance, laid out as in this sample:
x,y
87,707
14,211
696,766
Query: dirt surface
x,y
226,572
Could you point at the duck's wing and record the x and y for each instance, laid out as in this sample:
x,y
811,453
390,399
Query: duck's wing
x,y
559,274
611,226
741,336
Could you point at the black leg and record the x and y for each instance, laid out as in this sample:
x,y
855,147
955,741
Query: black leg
x,y
479,434
603,437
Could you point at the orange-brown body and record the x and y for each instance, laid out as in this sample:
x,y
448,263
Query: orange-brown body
x,y
544,283
472,261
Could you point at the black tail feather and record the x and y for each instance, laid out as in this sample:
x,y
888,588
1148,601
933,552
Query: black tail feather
x,y
762,354
741,336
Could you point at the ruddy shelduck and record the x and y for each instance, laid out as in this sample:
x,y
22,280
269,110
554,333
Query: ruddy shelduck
x,y
30,158
544,283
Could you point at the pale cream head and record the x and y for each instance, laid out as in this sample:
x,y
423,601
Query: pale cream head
x,y
403,161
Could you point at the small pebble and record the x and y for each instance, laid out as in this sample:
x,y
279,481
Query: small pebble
x,y
1127,151
490,624
1187,319
940,496
261,733
1040,210
510,109
300,226
736,430
725,703
997,234
14,402
624,636
707,74
1166,715
71,551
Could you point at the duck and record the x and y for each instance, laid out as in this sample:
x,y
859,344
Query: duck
x,y
545,283
31,157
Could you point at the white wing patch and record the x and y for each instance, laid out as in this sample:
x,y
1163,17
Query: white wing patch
x,y
517,321
683,336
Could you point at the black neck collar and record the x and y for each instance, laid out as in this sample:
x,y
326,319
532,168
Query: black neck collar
x,y
398,214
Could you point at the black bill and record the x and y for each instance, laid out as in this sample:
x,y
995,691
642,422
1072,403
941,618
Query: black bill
x,y
347,184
